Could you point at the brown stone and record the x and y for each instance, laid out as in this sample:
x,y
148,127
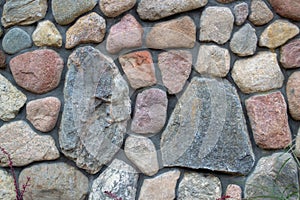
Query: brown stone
x,y
38,71
260,13
2,59
287,8
234,191
113,8
293,95
269,120
290,54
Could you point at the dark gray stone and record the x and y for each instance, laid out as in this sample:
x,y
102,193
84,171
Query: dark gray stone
x,y
16,40
207,130
96,109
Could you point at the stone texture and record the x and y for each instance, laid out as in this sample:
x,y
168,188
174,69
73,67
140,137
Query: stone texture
x,y
225,1
113,8
152,187
43,113
277,33
141,152
2,59
90,28
199,186
150,112
50,181
38,71
241,12
274,176
297,145
243,42
234,191
16,40
175,67
288,8
207,130
119,178
139,69
11,100
24,145
23,12
290,54
128,33
66,11
260,13
258,73
7,188
213,60
175,33
157,9
96,109
293,95
269,121
46,34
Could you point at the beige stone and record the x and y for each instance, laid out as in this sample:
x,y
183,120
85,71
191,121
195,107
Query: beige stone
x,y
293,95
46,34
234,191
260,13
7,188
113,8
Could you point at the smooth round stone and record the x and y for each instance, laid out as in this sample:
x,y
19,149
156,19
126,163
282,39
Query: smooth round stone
x,y
113,8
16,40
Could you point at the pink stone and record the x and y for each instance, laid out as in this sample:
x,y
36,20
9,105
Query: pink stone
x,y
287,8
38,71
293,95
234,191
269,120
43,113
290,54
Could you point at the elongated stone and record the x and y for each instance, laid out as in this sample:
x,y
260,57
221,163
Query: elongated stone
x,y
113,8
287,8
96,109
241,12
7,188
207,130
293,95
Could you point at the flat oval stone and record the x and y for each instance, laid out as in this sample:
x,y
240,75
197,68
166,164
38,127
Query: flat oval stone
x,y
260,13
38,71
7,188
46,34
241,12
293,95
113,8
16,40
287,8
290,54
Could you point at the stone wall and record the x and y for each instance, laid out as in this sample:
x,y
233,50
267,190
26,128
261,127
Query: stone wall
x,y
150,99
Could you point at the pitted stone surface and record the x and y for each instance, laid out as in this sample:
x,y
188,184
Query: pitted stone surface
x,y
293,95
24,145
234,192
38,71
287,8
213,60
96,109
16,40
2,59
241,12
7,188
258,73
216,24
50,181
269,121
207,130
23,12
90,28
157,9
175,33
260,13
120,179
113,8
11,100
290,54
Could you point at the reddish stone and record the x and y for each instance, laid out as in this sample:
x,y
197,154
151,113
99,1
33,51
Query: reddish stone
x,y
293,95
2,59
38,71
234,192
269,120
290,54
287,8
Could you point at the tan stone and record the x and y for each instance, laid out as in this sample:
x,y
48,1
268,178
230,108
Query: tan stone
x,y
293,95
46,34
260,13
7,188
297,144
113,8
234,191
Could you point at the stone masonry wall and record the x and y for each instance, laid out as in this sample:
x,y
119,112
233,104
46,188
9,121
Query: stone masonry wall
x,y
150,99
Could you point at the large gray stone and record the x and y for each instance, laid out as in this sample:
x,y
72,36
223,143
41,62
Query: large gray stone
x,y
16,40
96,109
207,130
7,188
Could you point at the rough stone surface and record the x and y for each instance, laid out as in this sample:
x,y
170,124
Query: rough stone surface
x,y
290,54
11,100
277,33
297,145
234,191
199,186
288,8
151,187
46,34
7,189
175,67
50,181
241,12
275,176
175,33
150,111
260,13
216,24
213,60
66,11
225,1
113,8
24,145
23,12
243,42
293,95
16,40
2,59
258,73
139,69
141,152
96,109
269,121
90,28
128,33
38,71
119,178
207,130
157,9
43,113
